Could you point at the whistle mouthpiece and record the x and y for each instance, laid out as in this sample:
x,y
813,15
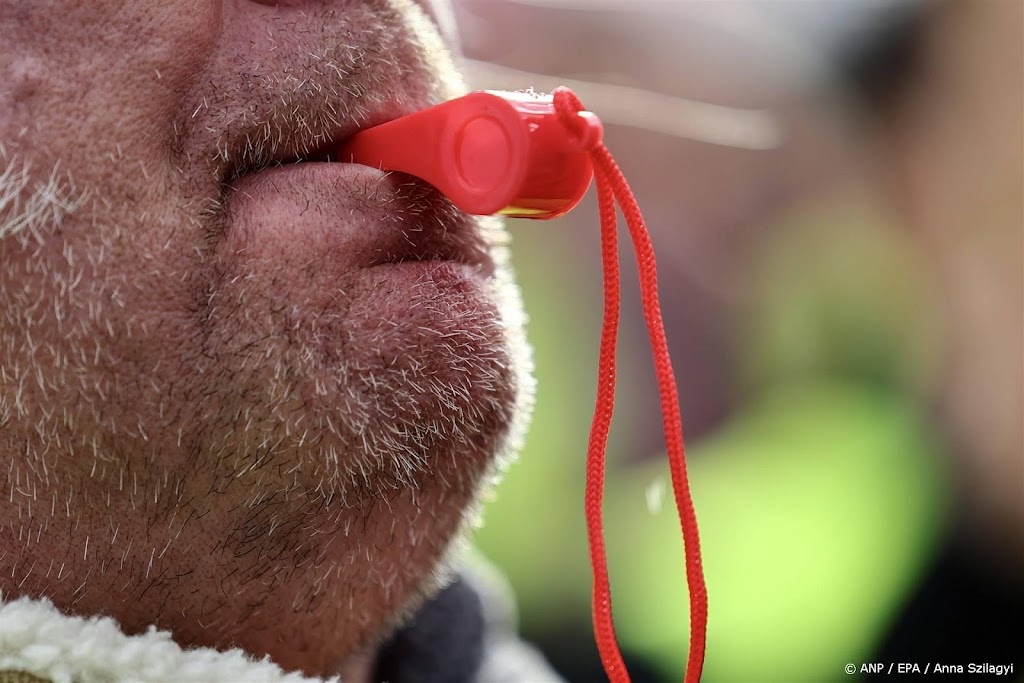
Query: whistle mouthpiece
x,y
488,152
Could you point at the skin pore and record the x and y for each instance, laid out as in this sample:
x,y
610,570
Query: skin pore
x,y
248,400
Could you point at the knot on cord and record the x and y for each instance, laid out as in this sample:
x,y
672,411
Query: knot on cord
x,y
571,114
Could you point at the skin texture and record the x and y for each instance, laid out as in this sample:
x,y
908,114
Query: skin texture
x,y
246,400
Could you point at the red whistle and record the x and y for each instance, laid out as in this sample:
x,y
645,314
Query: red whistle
x,y
488,152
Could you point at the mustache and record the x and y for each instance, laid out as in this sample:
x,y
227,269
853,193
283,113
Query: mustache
x,y
317,80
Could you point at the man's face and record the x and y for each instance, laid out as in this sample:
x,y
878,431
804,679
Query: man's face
x,y
243,398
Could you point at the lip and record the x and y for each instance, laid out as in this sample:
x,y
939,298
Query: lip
x,y
294,147
303,134
351,216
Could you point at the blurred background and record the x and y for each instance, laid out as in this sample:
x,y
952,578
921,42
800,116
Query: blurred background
x,y
835,189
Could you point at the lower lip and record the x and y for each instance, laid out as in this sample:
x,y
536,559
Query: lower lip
x,y
349,214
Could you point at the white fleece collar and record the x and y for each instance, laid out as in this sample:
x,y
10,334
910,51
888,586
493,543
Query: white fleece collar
x,y
37,638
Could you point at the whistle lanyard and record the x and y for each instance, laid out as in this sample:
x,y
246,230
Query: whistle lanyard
x,y
612,188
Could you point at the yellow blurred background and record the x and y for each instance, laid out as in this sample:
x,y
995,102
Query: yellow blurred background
x,y
835,189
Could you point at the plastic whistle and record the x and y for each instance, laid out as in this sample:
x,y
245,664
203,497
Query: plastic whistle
x,y
488,152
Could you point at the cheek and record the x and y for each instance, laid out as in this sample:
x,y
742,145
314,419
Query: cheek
x,y
88,93
74,73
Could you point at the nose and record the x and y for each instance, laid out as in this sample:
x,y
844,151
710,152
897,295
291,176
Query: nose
x,y
440,11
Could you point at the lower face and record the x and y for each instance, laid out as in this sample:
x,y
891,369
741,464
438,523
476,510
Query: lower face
x,y
245,399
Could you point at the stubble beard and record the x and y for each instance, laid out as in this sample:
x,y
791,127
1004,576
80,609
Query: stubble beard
x,y
199,492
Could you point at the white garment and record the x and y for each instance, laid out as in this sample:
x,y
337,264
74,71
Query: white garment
x,y
37,638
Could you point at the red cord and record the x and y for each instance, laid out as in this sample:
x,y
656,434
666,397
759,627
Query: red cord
x,y
612,187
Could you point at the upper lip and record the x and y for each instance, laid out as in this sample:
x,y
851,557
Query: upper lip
x,y
296,145
434,230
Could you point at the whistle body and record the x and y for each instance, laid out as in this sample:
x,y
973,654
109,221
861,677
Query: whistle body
x,y
488,152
